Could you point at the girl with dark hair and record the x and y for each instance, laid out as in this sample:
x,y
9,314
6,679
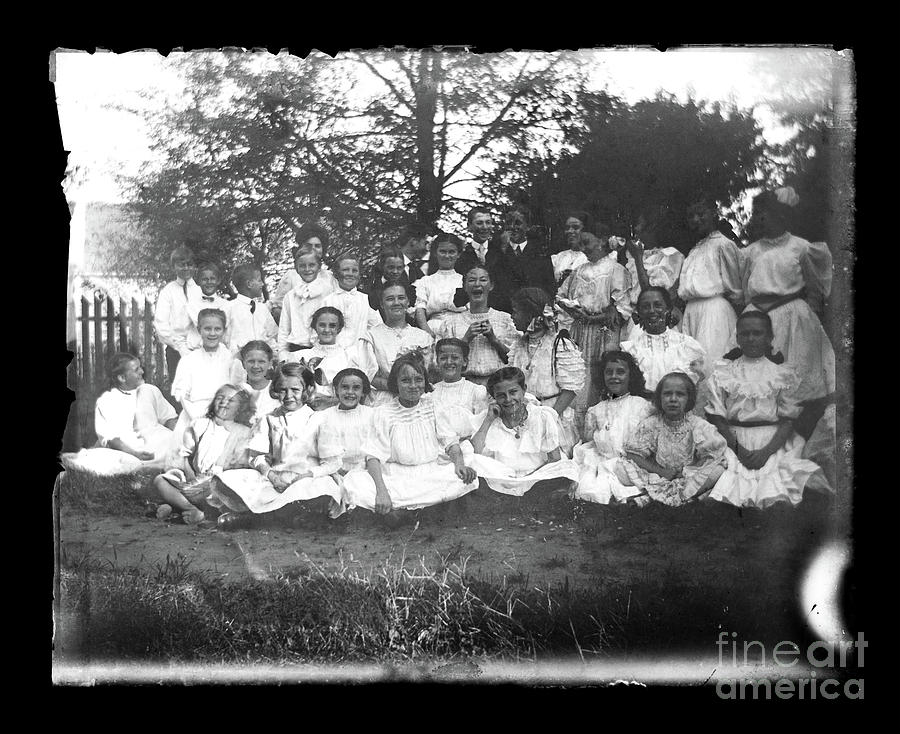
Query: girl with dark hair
x,y
551,361
782,272
282,454
673,456
752,404
607,426
462,399
344,429
565,261
389,270
656,346
518,443
326,357
488,332
435,292
211,444
252,374
413,455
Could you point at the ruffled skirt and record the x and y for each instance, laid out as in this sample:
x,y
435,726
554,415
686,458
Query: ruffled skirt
x,y
693,481
799,336
411,487
593,340
598,480
781,479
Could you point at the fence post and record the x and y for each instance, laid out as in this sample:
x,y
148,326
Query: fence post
x,y
148,345
110,327
99,365
135,330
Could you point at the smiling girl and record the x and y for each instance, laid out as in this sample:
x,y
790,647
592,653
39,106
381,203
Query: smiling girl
x,y
255,365
413,456
673,456
518,443
753,405
607,426
435,292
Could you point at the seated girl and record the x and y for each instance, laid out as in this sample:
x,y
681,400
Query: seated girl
x,y
752,404
518,444
413,456
382,344
344,429
552,363
460,398
212,444
435,292
282,454
326,357
607,426
659,349
489,333
132,420
673,456
252,374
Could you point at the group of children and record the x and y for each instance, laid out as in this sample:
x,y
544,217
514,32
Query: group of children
x,y
623,382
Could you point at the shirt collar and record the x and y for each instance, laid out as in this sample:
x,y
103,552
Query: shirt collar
x,y
243,299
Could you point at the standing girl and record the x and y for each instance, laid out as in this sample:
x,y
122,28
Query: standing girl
x,y
657,347
752,404
212,444
413,456
252,373
389,270
518,444
282,454
489,333
202,371
382,344
596,298
552,363
673,456
294,332
565,261
435,292
781,272
607,427
710,284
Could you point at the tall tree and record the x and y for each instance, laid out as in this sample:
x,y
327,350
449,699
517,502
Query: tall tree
x,y
368,141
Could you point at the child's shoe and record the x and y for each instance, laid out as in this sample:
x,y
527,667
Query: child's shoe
x,y
163,512
193,516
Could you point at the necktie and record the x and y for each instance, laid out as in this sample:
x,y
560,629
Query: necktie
x,y
184,287
518,251
209,299
415,270
252,306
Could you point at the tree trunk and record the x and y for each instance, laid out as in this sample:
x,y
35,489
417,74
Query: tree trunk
x,y
428,203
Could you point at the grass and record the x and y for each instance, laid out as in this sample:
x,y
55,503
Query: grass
x,y
88,492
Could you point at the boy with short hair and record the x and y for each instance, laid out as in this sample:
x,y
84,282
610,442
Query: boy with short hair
x,y
171,320
353,305
209,278
251,319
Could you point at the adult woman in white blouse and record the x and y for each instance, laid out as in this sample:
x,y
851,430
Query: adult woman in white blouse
x,y
781,273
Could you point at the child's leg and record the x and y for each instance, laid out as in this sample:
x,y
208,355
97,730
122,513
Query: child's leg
x,y
170,494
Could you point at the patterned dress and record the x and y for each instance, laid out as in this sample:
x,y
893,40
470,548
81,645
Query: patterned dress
x,y
692,446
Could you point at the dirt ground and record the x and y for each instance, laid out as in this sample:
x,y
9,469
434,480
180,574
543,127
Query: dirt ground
x,y
543,539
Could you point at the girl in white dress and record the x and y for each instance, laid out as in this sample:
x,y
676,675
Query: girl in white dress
x,y
488,332
133,423
413,456
252,374
202,371
283,456
781,272
518,444
435,292
344,429
315,238
294,330
596,298
354,305
326,358
673,455
212,444
659,349
710,284
607,427
752,405
552,362
565,261
461,399
382,344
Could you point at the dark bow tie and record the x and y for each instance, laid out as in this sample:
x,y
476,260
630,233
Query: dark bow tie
x,y
209,299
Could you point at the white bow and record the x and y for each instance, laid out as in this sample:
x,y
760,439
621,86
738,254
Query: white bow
x,y
787,195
